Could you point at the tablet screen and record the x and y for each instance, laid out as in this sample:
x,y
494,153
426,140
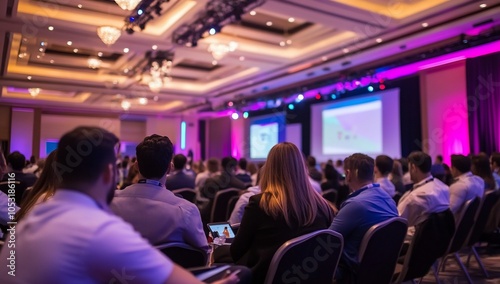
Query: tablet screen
x,y
219,229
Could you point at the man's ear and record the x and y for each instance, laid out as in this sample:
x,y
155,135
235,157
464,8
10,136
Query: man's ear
x,y
107,174
170,167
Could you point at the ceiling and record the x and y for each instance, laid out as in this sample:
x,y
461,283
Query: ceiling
x,y
320,35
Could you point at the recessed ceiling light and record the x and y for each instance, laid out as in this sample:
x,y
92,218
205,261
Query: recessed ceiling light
x,y
425,25
324,58
378,40
483,5
143,101
99,54
40,49
214,62
154,47
289,41
125,71
126,50
80,6
75,50
253,13
155,98
345,50
282,43
269,23
291,20
29,77
38,56
52,61
69,43
51,28
242,58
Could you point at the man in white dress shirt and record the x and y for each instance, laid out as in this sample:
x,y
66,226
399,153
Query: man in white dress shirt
x,y
74,238
466,186
428,195
383,167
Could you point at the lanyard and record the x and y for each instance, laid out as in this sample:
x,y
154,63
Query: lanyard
x,y
425,182
150,181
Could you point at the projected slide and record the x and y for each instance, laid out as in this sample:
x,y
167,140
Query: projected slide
x,y
354,128
262,138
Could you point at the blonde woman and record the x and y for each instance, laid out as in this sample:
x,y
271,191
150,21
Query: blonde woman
x,y
288,207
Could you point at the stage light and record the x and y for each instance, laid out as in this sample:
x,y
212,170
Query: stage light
x,y
370,89
235,116
382,86
334,96
212,31
245,114
299,98
139,12
318,96
291,106
230,104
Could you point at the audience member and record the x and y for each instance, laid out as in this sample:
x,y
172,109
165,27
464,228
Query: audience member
x,y
383,167
437,169
16,162
332,178
123,168
43,189
368,205
242,173
313,171
495,166
406,174
287,208
86,243
339,166
155,212
396,177
179,178
239,207
448,177
428,195
254,175
481,168
466,186
32,166
211,171
132,177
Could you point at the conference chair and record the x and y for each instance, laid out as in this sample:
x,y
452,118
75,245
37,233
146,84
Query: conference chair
x,y
379,251
184,254
489,200
330,195
221,202
230,205
462,232
316,255
186,193
430,241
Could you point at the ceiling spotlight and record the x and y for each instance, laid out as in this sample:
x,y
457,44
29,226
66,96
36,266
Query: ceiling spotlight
x,y
483,5
69,42
22,55
34,91
269,23
214,62
80,6
75,50
29,77
155,98
154,47
143,101
425,25
125,71
324,58
38,57
289,41
291,20
51,28
94,63
378,40
235,116
126,50
99,54
242,58
126,105
245,115
40,49
52,61
282,43
253,13
345,50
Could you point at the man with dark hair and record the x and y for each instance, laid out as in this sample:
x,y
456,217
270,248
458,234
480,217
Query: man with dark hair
x,y
428,195
437,169
85,242
367,205
163,217
179,178
15,163
313,171
495,167
466,186
406,171
383,167
241,172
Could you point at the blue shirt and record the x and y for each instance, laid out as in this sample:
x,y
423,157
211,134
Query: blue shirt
x,y
364,208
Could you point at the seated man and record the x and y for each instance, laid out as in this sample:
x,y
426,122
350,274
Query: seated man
x,y
84,241
16,162
242,173
383,167
466,186
313,171
155,212
428,195
495,167
179,178
367,205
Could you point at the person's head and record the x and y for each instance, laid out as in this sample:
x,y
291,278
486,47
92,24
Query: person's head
x,y
495,161
86,162
229,164
213,165
397,170
439,159
286,189
33,160
404,165
419,165
481,167
359,170
339,163
242,164
331,173
252,168
383,166
180,162
45,186
154,156
460,164
311,161
16,161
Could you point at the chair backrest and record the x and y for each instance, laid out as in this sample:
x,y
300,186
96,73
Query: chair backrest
x,y
187,193
330,195
430,241
184,254
379,251
316,254
489,200
221,202
464,225
230,205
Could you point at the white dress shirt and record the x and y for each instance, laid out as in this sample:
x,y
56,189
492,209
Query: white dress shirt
x,y
242,202
387,186
466,187
70,239
427,196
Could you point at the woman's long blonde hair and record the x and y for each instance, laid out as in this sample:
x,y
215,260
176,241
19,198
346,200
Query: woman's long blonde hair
x,y
287,190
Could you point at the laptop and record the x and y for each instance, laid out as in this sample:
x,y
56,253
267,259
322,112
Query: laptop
x,y
221,228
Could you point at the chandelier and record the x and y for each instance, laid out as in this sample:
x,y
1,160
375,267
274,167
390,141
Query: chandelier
x,y
160,66
127,4
219,50
108,34
94,63
34,91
